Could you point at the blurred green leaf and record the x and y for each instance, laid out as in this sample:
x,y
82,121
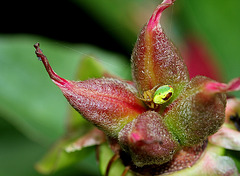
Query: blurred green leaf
x,y
58,158
17,153
89,68
216,21
28,99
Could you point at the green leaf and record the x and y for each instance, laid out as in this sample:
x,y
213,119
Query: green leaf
x,y
28,99
17,152
89,67
58,158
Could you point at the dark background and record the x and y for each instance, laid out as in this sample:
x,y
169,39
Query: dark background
x,y
59,20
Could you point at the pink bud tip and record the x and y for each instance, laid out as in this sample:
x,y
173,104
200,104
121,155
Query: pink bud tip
x,y
55,78
234,85
217,87
154,20
135,137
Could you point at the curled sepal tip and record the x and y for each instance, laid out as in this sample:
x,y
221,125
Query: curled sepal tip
x,y
154,20
55,78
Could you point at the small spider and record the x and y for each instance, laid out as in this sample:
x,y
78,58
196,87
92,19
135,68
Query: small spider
x,y
157,95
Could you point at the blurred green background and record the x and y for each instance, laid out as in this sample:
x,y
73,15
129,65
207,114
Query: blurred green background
x,y
33,111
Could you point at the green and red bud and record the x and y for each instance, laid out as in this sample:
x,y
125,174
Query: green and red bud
x,y
196,113
107,103
148,140
155,60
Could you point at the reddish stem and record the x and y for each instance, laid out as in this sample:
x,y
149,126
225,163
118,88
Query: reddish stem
x,y
125,171
114,158
57,79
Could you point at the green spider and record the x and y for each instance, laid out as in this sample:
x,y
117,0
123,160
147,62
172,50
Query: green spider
x,y
155,97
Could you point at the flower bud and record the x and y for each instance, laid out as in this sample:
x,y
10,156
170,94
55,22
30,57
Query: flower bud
x,y
148,140
107,103
155,60
196,113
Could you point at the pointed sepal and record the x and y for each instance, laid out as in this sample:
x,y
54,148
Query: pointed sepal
x,y
155,60
196,113
107,103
